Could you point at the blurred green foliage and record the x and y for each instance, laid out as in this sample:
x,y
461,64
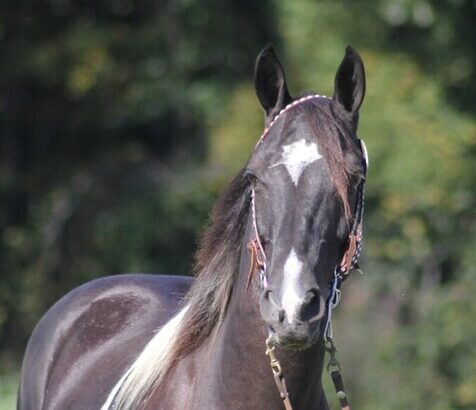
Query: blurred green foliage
x,y
8,391
121,121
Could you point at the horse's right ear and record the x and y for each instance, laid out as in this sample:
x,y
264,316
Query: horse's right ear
x,y
270,83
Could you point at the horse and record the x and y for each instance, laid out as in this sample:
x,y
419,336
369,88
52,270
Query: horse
x,y
282,238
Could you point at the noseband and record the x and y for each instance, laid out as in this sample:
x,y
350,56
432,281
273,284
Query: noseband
x,y
342,271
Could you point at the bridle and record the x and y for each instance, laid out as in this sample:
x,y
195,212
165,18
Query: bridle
x,y
341,273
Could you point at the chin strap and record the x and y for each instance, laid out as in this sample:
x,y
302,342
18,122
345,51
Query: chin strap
x,y
278,374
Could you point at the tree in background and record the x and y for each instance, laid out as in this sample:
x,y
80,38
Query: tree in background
x,y
103,110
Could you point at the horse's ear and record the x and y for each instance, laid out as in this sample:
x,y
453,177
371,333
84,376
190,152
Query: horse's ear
x,y
349,87
270,83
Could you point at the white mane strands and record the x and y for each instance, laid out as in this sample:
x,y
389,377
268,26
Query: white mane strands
x,y
148,369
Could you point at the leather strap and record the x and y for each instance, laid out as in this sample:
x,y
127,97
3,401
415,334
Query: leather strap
x,y
256,264
278,374
346,263
340,390
333,367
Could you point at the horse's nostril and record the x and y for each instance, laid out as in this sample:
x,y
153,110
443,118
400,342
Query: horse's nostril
x,y
311,296
270,296
271,308
313,306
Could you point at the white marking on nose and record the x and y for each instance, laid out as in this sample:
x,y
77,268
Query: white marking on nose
x,y
297,156
291,289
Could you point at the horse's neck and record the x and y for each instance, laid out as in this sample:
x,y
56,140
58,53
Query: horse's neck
x,y
239,359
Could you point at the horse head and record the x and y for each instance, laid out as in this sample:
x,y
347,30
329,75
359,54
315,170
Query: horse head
x,y
307,175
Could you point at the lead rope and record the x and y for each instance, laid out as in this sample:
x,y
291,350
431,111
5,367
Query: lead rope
x,y
278,374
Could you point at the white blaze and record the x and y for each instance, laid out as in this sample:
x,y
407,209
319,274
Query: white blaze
x,y
297,156
290,291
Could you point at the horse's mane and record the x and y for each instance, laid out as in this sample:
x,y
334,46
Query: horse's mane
x,y
329,129
217,265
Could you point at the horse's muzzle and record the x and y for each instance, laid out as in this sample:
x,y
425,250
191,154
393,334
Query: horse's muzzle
x,y
298,327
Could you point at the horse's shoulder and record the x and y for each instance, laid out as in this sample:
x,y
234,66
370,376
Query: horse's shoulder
x,y
139,284
112,304
112,295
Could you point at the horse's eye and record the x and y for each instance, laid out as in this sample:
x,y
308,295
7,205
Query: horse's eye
x,y
249,175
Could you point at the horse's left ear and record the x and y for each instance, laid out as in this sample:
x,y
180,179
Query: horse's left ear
x,y
349,87
270,83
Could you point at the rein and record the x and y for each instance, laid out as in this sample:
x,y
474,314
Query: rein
x,y
341,272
